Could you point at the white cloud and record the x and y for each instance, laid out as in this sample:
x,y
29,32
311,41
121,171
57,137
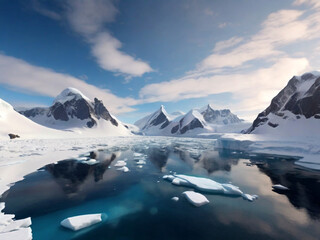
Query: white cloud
x,y
18,74
106,49
89,18
223,45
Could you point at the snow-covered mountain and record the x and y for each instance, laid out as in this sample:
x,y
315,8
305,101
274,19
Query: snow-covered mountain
x,y
72,110
15,123
294,111
196,121
219,116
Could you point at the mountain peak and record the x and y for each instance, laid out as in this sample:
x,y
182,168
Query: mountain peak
x,y
69,94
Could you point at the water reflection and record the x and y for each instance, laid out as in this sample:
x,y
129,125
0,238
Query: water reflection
x,y
304,185
75,182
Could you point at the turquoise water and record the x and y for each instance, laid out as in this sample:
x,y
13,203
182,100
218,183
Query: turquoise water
x,y
138,205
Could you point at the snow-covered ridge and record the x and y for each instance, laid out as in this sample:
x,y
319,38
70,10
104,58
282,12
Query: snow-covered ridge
x,y
193,123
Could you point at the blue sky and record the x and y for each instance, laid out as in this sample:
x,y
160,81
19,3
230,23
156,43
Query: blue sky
x,y
137,55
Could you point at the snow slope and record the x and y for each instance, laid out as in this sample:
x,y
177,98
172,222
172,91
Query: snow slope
x,y
13,122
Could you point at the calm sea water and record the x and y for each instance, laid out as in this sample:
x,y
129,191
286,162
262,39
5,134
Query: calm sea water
x,y
137,204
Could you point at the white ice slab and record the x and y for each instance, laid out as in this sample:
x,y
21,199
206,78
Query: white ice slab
x,y
141,162
249,197
123,169
82,221
16,225
120,163
197,199
21,234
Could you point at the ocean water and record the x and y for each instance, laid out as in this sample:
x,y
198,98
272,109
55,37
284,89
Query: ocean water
x,y
137,204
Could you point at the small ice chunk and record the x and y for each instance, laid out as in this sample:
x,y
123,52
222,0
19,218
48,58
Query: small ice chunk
x,y
140,166
230,189
91,162
197,199
82,221
135,154
203,184
175,199
249,197
120,163
168,177
280,187
141,162
123,169
181,182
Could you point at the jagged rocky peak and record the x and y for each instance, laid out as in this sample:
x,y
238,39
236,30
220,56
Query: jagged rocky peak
x,y
193,119
159,118
71,104
219,116
301,97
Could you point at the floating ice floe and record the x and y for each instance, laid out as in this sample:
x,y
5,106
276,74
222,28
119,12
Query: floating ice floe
x,y
280,187
197,199
14,229
249,197
141,162
123,169
120,163
135,154
175,199
207,185
82,221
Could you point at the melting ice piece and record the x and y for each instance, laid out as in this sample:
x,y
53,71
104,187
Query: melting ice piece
x,y
280,187
207,185
82,221
197,199
249,197
120,163
175,199
123,169
141,162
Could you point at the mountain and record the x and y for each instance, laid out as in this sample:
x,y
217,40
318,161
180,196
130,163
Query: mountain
x,y
219,116
154,122
72,110
193,123
11,122
295,110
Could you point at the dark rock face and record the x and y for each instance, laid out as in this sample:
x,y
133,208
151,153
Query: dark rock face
x,y
13,136
195,123
306,103
158,118
101,112
76,107
211,116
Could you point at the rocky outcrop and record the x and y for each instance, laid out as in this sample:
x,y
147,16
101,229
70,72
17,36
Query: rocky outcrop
x,y
301,97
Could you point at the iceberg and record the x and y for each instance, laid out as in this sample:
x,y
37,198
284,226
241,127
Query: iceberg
x,y
82,221
175,199
123,169
197,199
21,234
208,185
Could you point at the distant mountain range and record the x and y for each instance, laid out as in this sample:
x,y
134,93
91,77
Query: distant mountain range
x,y
196,121
295,110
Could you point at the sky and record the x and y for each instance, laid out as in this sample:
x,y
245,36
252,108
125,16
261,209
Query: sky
x,y
138,55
